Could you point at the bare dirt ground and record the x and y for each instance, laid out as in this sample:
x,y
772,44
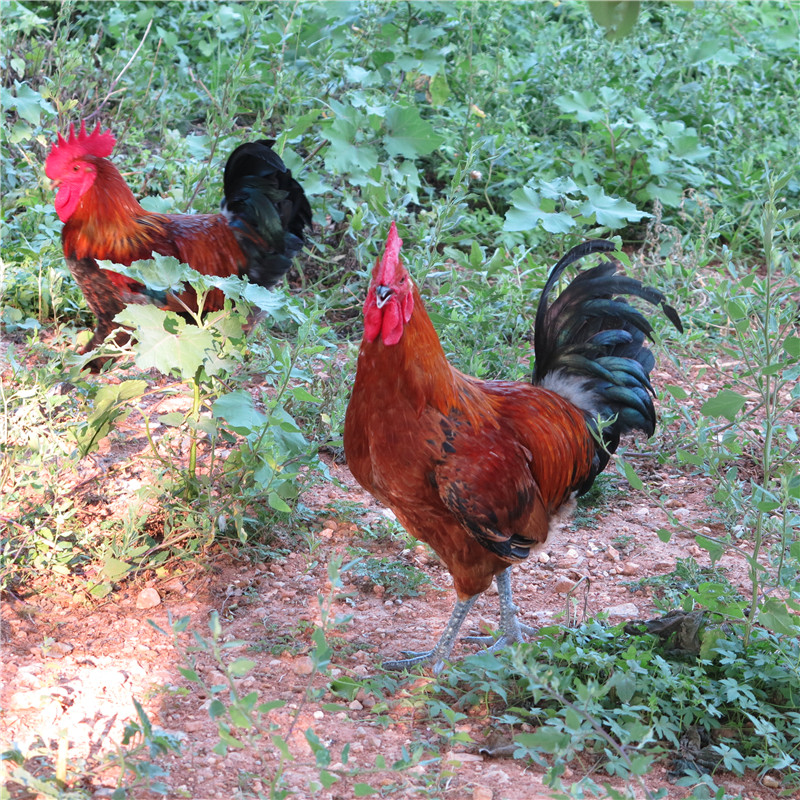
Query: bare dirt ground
x,y
72,667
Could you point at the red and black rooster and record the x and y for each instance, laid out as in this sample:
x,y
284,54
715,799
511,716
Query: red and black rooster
x,y
258,232
480,469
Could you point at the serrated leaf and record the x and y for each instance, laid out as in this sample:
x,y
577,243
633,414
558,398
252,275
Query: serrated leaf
x,y
726,404
776,616
581,104
299,393
161,273
409,135
612,212
181,352
527,212
281,744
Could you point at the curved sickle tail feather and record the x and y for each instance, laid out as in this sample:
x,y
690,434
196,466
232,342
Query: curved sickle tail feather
x,y
267,210
589,347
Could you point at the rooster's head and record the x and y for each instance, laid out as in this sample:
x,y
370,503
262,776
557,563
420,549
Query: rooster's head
x,y
390,300
71,165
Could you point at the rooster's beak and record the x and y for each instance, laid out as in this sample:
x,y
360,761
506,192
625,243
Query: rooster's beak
x,y
382,294
54,184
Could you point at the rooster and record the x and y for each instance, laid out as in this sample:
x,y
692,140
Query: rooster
x,y
481,469
258,233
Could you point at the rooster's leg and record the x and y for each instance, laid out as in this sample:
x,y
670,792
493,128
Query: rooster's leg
x,y
511,629
445,644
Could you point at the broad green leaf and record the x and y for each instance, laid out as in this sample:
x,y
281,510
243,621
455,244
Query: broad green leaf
x,y
363,790
582,105
792,346
238,409
527,212
775,615
180,353
678,392
276,501
216,709
633,479
239,718
408,134
162,273
617,16
714,549
726,404
613,212
439,89
241,667
114,569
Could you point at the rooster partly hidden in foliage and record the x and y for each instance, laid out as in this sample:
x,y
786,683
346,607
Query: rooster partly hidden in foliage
x,y
257,234
480,469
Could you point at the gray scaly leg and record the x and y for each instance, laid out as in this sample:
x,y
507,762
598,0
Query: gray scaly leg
x,y
511,629
443,647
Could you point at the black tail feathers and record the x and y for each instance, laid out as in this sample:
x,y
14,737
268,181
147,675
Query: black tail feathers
x,y
267,209
589,346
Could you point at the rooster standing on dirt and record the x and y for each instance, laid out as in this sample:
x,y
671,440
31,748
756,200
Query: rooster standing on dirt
x,y
478,469
258,233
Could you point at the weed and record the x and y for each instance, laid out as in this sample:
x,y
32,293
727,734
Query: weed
x,y
396,577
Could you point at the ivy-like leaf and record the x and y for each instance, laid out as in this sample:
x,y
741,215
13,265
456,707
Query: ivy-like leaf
x,y
613,212
527,212
726,404
409,135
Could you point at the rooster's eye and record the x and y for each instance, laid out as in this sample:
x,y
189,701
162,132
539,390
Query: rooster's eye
x,y
76,168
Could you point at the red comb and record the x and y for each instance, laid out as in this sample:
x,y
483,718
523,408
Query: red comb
x,y
67,150
390,262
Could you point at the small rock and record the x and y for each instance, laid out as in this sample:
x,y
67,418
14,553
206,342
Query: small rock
x,y
148,598
542,557
672,502
462,758
303,666
623,611
175,585
319,714
57,649
326,533
378,590
482,793
563,585
630,568
355,706
612,553
770,781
